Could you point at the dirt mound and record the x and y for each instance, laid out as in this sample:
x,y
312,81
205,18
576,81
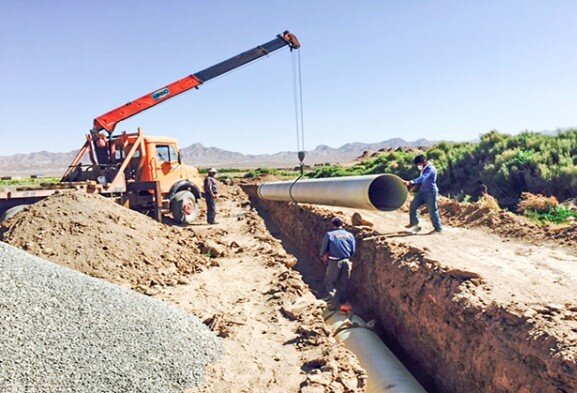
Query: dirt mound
x,y
366,155
487,213
94,235
358,220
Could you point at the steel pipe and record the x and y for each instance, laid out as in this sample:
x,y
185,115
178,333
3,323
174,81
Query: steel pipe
x,y
374,192
385,373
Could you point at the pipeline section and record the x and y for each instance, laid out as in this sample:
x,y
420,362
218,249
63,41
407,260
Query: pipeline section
x,y
384,192
385,373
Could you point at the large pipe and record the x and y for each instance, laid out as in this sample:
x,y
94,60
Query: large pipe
x,y
374,192
385,373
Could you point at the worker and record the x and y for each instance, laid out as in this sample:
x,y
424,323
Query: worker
x,y
427,193
101,149
105,149
337,248
211,195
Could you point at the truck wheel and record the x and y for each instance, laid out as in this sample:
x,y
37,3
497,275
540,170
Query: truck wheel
x,y
183,207
12,212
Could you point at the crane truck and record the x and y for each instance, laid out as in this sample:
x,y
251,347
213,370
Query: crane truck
x,y
144,173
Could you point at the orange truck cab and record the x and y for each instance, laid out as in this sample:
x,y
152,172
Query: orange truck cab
x,y
144,173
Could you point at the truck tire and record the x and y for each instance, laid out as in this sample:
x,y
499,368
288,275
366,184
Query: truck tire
x,y
184,207
12,212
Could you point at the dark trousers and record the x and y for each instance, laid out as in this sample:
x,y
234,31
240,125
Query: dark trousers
x,y
210,210
337,281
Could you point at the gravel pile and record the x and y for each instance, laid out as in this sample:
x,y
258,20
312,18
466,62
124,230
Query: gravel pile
x,y
63,331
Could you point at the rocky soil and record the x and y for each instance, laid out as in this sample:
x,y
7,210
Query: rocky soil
x,y
274,335
486,214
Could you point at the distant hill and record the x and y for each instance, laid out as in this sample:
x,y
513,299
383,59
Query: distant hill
x,y
53,164
199,155
42,162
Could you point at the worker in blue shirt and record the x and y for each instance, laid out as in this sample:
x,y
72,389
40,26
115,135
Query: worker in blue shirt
x,y
428,194
337,249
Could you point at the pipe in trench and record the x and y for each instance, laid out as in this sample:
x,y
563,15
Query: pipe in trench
x,y
384,192
385,373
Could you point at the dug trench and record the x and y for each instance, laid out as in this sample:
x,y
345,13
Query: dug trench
x,y
450,326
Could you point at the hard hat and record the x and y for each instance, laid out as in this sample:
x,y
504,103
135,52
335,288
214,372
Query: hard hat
x,y
212,170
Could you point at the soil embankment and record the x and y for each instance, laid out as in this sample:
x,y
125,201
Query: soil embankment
x,y
476,312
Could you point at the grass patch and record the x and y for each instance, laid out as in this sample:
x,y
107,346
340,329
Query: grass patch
x,y
29,182
556,214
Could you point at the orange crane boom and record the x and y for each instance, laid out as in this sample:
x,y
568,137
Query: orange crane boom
x,y
109,120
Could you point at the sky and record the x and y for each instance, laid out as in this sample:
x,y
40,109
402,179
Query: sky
x,y
371,70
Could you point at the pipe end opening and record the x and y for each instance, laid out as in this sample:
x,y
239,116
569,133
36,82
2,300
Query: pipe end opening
x,y
388,192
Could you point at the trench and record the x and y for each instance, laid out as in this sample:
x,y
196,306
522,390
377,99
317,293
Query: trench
x,y
447,342
313,272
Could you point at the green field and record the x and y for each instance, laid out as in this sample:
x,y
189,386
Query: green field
x,y
27,181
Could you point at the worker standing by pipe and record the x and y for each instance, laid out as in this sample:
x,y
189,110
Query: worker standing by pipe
x,y
428,194
337,249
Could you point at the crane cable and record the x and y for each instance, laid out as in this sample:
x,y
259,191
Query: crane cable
x,y
299,119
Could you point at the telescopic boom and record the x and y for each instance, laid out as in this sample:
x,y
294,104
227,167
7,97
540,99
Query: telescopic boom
x,y
109,120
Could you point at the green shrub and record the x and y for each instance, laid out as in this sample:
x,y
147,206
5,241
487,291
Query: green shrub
x,y
260,172
557,214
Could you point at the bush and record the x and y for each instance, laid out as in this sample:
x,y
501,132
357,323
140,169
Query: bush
x,y
256,173
488,202
536,203
557,214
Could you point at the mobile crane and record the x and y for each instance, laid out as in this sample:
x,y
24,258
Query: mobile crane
x,y
144,173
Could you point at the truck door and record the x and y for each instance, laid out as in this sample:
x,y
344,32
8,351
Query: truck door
x,y
167,167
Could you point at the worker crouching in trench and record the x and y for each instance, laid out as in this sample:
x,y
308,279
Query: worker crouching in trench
x,y
337,248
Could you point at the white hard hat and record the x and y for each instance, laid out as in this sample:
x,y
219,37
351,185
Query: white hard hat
x,y
212,170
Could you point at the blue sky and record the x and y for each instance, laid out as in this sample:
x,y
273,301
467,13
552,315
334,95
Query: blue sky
x,y
372,70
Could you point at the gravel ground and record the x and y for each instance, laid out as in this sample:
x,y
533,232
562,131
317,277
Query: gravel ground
x,y
63,331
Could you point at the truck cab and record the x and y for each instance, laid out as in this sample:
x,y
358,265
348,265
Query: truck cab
x,y
164,164
144,173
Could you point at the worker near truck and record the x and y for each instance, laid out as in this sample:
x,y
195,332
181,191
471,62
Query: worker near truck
x,y
427,194
337,248
211,195
104,149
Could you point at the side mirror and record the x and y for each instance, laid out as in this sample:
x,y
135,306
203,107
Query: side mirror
x,y
179,158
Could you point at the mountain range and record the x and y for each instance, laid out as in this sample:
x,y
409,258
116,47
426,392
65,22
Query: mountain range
x,y
54,164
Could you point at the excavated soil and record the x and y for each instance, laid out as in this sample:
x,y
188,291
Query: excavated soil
x,y
234,275
94,235
486,214
475,310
